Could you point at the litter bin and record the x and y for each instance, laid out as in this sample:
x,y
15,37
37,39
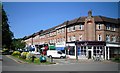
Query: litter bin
x,y
42,59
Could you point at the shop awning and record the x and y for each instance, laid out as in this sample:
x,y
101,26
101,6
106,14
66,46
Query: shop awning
x,y
59,48
52,47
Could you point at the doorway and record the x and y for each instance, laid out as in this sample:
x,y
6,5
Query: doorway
x,y
89,54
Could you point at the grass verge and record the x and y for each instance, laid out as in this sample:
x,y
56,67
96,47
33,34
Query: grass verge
x,y
36,61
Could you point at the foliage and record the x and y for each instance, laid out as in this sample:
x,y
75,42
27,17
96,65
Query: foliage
x,y
4,50
7,34
17,43
116,59
16,53
37,60
23,55
29,55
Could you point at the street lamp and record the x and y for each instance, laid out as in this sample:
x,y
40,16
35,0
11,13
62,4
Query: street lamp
x,y
77,50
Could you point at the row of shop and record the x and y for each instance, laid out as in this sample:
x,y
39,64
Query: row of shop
x,y
84,49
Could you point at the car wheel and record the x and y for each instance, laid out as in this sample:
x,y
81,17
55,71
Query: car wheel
x,y
50,56
61,57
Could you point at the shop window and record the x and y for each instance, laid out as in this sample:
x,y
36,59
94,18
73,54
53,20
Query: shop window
x,y
97,51
82,51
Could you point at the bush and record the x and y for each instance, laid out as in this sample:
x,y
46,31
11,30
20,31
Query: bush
x,y
4,50
16,53
29,56
23,55
36,60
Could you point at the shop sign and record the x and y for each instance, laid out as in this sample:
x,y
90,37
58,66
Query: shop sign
x,y
61,44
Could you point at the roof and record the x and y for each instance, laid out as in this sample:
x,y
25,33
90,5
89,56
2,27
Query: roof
x,y
76,20
105,19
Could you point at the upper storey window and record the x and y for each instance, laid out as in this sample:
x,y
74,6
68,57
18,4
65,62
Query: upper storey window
x,y
113,38
108,38
99,38
68,29
81,26
99,26
113,27
108,27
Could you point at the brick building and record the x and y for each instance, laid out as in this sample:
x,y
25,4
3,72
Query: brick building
x,y
88,35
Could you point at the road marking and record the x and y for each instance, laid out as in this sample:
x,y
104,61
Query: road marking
x,y
13,59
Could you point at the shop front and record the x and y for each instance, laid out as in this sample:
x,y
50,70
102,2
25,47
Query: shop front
x,y
60,46
86,49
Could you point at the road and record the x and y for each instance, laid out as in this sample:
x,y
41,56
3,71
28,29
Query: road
x,y
11,65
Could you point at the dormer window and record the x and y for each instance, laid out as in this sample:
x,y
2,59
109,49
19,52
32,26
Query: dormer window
x,y
113,27
108,27
81,26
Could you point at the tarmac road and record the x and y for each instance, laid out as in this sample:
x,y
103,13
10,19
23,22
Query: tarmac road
x,y
11,65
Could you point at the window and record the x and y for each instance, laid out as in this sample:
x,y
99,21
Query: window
x,y
97,51
68,29
73,38
69,39
73,27
113,27
99,26
81,26
59,52
80,38
114,39
63,30
82,51
99,38
108,26
107,38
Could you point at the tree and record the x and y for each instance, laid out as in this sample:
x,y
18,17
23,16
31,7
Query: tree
x,y
18,44
7,34
0,25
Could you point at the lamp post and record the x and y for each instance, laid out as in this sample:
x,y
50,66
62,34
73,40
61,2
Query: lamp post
x,y
77,50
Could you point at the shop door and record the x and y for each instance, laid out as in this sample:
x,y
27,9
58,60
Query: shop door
x,y
89,54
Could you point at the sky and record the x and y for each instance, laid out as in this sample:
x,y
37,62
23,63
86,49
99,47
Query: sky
x,y
26,18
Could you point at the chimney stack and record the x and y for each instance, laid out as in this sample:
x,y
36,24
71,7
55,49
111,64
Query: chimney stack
x,y
90,13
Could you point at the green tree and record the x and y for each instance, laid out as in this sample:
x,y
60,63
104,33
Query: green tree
x,y
17,43
0,25
7,35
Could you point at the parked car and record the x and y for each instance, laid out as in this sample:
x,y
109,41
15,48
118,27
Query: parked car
x,y
55,54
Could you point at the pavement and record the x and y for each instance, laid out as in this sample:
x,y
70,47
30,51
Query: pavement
x,y
65,61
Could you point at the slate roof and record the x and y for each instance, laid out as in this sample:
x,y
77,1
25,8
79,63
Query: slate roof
x,y
77,20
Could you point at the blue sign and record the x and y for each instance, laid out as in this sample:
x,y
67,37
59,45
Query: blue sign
x,y
59,48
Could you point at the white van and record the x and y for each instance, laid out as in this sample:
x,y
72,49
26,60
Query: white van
x,y
55,54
